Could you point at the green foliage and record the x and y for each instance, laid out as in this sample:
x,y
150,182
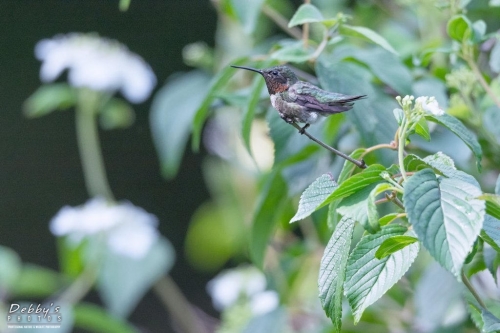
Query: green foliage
x,y
96,319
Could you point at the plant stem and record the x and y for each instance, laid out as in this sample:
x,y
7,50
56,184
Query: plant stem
x,y
175,303
472,290
94,171
401,148
305,30
281,22
360,164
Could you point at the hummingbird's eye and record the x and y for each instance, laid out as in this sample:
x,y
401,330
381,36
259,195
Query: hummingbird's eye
x,y
275,73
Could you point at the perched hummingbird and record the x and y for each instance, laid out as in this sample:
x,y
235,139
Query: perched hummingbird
x,y
299,101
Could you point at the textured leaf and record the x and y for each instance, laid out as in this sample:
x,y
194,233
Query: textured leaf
x,y
349,167
384,220
491,322
171,115
459,27
373,215
446,216
332,271
306,13
48,98
358,208
422,129
123,281
367,277
266,216
468,137
359,181
394,244
314,195
440,162
93,318
367,34
201,114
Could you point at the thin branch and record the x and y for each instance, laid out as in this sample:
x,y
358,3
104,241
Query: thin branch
x,y
179,307
281,22
472,290
360,164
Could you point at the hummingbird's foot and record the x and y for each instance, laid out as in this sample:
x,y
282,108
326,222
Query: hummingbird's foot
x,y
303,129
285,118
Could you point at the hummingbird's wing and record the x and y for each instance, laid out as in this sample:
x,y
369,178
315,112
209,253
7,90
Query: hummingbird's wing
x,y
316,99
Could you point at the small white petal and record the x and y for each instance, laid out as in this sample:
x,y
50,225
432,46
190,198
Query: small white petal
x,y
264,302
433,107
225,289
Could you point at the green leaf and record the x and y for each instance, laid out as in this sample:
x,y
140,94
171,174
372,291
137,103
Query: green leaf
x,y
394,244
314,195
11,268
36,282
332,271
48,98
422,129
446,216
293,52
399,115
367,34
468,137
491,117
349,167
123,280
201,114
249,113
491,232
492,204
172,112
441,163
373,215
248,13
491,322
96,319
273,195
479,30
459,27
306,13
116,113
357,207
359,181
384,220
367,277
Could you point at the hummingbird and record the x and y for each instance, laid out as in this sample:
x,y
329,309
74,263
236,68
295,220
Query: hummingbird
x,y
298,101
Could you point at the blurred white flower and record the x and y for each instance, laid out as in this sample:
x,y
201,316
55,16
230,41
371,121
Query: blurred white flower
x,y
264,302
430,105
227,287
97,63
129,229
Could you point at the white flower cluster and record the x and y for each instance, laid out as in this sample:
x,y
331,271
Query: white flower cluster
x,y
97,63
129,230
230,285
429,105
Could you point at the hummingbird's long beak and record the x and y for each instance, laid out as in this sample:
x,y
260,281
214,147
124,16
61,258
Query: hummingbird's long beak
x,y
248,69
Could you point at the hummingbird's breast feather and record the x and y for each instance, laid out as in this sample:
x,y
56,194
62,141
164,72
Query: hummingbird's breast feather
x,y
287,108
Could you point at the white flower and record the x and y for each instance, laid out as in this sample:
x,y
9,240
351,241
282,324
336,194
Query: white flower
x,y
227,287
97,63
264,302
129,230
429,105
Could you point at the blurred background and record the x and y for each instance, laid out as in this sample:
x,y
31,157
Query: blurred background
x,y
40,167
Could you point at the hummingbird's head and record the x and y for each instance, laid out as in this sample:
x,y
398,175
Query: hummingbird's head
x,y
278,78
